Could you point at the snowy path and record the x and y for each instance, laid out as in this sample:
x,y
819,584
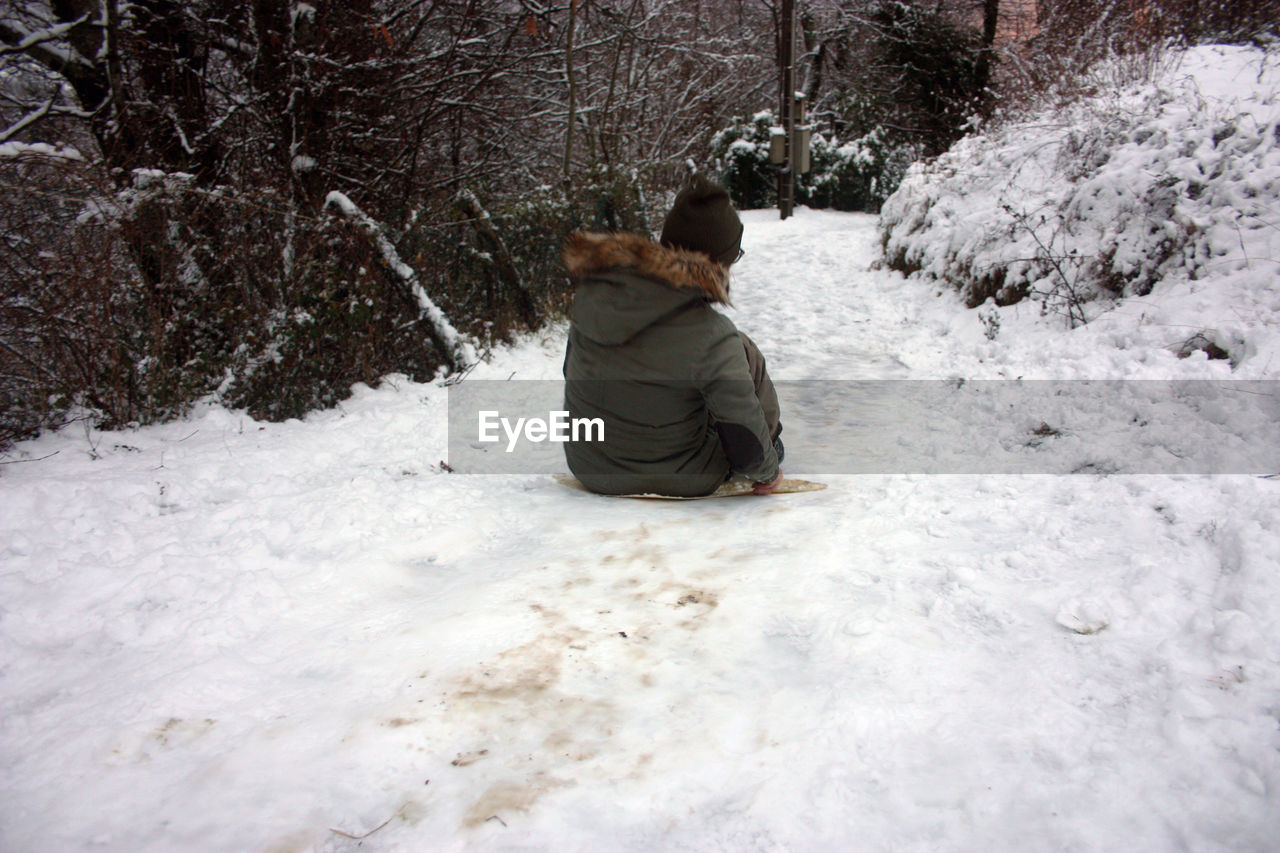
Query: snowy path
x,y
223,635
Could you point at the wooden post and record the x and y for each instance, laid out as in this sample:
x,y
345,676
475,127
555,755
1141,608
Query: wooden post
x,y
787,59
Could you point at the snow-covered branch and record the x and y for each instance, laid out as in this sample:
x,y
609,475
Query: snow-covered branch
x,y
459,351
29,40
26,121
46,45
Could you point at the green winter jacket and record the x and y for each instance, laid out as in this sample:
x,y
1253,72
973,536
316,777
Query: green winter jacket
x,y
665,372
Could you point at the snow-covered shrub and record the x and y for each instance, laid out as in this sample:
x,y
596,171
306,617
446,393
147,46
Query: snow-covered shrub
x,y
124,304
855,175
54,302
129,305
1105,197
740,153
345,317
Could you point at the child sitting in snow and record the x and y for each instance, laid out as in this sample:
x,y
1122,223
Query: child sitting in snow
x,y
684,396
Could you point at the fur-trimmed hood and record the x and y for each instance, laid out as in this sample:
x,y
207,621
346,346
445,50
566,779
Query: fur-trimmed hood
x,y
587,253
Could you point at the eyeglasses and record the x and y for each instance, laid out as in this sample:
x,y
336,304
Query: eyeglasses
x,y
738,257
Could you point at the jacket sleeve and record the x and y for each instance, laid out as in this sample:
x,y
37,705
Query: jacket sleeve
x,y
727,389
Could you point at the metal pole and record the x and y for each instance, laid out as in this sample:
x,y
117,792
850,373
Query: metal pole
x,y
787,174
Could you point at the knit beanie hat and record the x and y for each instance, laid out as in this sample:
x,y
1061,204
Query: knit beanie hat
x,y
703,220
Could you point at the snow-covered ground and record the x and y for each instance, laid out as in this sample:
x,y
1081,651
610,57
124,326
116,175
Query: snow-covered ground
x,y
223,635
228,635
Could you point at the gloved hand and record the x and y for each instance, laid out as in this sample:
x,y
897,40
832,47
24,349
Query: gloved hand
x,y
767,488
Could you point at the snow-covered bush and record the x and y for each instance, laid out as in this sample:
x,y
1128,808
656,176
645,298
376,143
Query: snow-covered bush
x,y
855,175
242,297
343,316
1105,197
740,153
129,305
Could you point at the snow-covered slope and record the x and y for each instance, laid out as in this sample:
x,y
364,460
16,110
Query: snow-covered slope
x,y
1170,188
226,635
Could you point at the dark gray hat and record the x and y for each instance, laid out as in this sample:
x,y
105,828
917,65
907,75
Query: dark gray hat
x,y
703,220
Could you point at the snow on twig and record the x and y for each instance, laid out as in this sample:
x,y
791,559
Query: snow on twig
x,y
52,33
11,150
366,835
36,459
30,118
23,41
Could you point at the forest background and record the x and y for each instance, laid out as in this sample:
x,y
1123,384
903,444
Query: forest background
x,y
266,202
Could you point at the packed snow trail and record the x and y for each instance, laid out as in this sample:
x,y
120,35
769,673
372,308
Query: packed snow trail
x,y
226,635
